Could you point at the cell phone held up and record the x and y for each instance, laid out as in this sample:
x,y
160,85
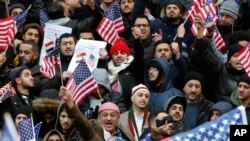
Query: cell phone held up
x,y
161,122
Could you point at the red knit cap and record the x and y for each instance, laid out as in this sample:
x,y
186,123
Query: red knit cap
x,y
119,44
109,106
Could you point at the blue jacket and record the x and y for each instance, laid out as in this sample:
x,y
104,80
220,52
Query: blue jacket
x,y
159,97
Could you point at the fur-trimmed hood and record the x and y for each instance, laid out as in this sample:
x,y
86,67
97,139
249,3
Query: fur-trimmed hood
x,y
44,105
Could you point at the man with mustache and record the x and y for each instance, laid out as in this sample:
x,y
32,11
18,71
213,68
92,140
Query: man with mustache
x,y
21,81
176,107
159,75
198,107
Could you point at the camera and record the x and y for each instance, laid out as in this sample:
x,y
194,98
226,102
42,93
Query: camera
x,y
168,118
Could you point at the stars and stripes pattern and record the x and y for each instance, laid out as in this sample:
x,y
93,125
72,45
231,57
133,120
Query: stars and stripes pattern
x,y
19,19
111,24
214,130
82,83
244,57
27,131
218,40
7,32
207,10
6,91
51,61
43,17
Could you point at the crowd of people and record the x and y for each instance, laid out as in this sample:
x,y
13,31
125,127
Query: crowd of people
x,y
158,79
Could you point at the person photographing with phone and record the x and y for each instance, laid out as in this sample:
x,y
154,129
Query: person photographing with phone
x,y
160,126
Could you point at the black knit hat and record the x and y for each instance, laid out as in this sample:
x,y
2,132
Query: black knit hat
x,y
26,110
178,100
244,78
192,75
232,50
177,3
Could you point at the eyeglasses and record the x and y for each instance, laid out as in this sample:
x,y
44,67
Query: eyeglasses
x,y
141,25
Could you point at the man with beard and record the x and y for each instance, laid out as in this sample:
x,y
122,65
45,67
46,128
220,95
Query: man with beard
x,y
176,107
67,48
156,131
22,81
198,107
159,75
172,12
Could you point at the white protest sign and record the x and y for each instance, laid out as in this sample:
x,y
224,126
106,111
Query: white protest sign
x,y
87,50
51,32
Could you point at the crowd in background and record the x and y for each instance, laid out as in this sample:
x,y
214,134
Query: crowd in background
x,y
158,79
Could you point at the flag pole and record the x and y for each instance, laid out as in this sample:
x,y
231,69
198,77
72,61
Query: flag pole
x,y
33,128
60,66
7,14
189,13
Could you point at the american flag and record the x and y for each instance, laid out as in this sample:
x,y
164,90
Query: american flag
x,y
244,57
91,61
111,24
202,7
215,130
7,32
43,17
6,91
19,19
82,83
27,131
51,61
218,40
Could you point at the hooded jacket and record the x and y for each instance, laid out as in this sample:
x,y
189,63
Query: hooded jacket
x,y
222,107
53,132
160,95
72,134
178,126
42,106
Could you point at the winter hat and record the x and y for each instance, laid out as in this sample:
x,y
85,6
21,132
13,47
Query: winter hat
x,y
230,7
23,110
109,106
177,3
178,100
139,88
232,50
192,75
50,93
16,5
244,78
119,44
16,72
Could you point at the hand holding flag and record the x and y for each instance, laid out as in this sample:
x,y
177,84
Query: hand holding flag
x,y
82,83
111,24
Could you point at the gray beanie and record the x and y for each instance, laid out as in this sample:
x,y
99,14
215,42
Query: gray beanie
x,y
230,7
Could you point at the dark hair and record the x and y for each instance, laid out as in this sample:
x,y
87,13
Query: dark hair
x,y
67,35
141,17
34,26
85,30
162,42
32,43
56,11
